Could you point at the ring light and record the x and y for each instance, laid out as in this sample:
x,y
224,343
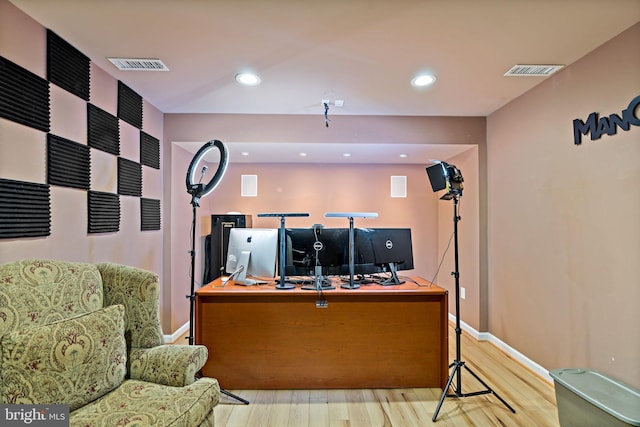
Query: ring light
x,y
200,190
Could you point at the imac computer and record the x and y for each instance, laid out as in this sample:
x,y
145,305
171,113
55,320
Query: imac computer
x,y
252,252
390,250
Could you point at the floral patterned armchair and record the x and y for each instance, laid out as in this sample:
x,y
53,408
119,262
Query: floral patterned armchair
x,y
89,336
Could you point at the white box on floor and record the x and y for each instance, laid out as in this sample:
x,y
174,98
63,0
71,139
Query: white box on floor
x,y
589,398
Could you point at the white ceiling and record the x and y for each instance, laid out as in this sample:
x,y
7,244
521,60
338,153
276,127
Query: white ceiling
x,y
364,52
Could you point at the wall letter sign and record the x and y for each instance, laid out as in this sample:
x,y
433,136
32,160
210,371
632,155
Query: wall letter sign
x,y
597,126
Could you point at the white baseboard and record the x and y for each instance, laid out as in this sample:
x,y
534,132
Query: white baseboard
x,y
170,339
524,360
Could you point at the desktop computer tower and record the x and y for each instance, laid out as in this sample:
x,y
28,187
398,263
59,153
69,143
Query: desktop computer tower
x,y
217,242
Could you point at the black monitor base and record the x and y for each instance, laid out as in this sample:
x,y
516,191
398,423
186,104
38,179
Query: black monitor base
x,y
394,279
318,283
313,287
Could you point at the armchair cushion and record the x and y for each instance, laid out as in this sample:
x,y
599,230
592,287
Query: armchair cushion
x,y
74,361
174,365
140,403
37,292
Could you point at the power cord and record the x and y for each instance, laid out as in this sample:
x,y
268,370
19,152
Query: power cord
x,y
447,249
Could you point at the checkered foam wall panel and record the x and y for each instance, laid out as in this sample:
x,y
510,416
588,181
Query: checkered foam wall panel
x,y
25,98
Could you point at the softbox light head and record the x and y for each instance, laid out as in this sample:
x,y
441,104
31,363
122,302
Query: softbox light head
x,y
444,176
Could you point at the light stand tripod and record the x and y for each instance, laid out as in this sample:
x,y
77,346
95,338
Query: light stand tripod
x,y
197,191
458,364
195,202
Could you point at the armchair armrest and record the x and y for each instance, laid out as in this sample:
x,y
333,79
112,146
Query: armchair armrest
x,y
173,365
139,291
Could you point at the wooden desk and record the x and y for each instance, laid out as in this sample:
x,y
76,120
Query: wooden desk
x,y
377,336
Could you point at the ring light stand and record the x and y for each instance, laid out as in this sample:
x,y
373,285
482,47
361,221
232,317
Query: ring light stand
x,y
197,191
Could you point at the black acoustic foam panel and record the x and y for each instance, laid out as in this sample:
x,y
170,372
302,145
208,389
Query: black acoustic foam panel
x,y
129,177
24,96
68,163
104,212
149,214
25,209
67,67
103,130
149,150
25,99
129,105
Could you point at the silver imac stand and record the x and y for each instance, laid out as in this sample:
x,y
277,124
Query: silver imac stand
x,y
351,216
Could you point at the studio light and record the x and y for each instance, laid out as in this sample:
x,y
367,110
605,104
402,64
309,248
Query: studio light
x,y
198,189
443,176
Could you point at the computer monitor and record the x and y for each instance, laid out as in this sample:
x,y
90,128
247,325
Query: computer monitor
x,y
252,252
331,245
390,251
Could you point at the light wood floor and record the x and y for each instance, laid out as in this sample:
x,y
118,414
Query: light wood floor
x,y
531,396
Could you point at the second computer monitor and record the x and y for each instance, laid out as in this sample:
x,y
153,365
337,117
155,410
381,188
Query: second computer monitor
x,y
392,245
384,250
330,245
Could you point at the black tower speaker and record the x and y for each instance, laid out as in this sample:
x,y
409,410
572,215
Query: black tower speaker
x,y
217,242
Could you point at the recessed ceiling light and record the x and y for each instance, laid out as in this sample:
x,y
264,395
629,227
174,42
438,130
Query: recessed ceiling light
x,y
248,79
303,154
403,156
423,80
346,155
245,153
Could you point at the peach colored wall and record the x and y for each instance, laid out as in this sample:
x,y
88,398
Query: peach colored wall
x,y
318,188
23,157
564,234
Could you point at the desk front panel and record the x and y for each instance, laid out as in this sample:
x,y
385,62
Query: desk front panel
x,y
365,338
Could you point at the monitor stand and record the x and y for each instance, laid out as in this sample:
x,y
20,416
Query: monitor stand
x,y
282,283
240,275
351,215
320,283
394,279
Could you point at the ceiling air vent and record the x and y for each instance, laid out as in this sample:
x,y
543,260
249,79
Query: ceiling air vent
x,y
138,64
533,70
